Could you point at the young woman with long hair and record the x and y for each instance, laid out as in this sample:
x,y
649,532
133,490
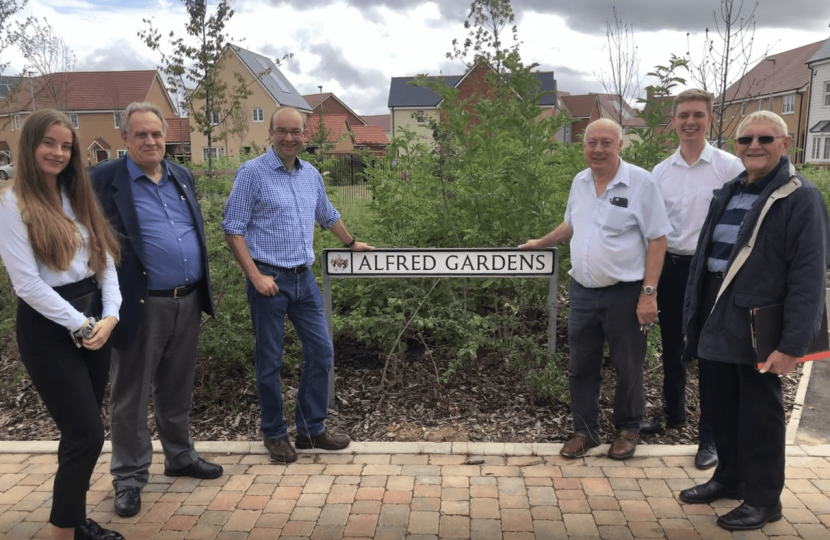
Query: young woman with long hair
x,y
60,253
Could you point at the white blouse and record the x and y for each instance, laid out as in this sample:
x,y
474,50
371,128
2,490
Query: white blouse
x,y
33,280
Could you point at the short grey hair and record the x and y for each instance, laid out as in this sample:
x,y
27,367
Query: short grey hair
x,y
144,106
604,122
763,116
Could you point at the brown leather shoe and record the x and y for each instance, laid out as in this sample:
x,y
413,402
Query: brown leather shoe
x,y
578,445
624,445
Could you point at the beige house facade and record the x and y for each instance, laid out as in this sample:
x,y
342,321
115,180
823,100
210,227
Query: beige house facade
x,y
246,128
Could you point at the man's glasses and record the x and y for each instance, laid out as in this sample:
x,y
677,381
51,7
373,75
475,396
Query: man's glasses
x,y
762,139
281,133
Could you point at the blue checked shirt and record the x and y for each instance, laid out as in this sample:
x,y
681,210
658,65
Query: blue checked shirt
x,y
275,210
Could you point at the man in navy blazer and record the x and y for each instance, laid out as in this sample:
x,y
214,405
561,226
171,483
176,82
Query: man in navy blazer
x,y
165,284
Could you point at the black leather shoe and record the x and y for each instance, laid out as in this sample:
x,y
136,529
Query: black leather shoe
x,y
198,469
280,450
324,441
92,531
748,518
709,492
707,456
127,501
652,426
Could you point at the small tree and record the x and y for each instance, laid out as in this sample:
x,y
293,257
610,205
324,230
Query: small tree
x,y
725,59
621,75
487,23
46,51
320,140
192,67
8,9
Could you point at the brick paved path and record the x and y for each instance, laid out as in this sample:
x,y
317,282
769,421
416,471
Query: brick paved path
x,y
421,496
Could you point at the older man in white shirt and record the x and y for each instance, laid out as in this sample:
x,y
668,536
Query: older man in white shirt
x,y
616,223
687,179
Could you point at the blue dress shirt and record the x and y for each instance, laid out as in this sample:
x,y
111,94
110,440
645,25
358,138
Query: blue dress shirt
x,y
168,231
275,210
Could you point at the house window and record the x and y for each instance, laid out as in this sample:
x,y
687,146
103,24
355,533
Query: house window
x,y
420,117
213,116
816,147
73,118
217,151
734,110
743,108
770,103
788,104
760,105
17,121
827,148
258,116
122,153
827,94
116,117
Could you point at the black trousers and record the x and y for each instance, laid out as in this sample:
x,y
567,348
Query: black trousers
x,y
597,315
70,381
670,298
746,409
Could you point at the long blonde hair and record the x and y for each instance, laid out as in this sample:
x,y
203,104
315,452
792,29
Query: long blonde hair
x,y
53,236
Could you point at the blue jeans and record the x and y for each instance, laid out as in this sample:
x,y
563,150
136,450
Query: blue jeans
x,y
299,298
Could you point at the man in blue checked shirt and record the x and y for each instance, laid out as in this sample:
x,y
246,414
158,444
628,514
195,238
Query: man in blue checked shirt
x,y
269,226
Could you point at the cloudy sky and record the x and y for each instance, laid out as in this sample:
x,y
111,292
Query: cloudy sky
x,y
354,47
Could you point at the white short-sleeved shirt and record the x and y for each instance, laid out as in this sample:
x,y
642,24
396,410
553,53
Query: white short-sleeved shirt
x,y
611,232
687,190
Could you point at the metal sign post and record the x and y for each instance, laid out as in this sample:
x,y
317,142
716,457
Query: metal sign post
x,y
429,263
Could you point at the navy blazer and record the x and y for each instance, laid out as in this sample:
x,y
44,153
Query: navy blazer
x,y
113,186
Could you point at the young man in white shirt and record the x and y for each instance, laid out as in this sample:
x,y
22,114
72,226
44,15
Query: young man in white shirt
x,y
687,179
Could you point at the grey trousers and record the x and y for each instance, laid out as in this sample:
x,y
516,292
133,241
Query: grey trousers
x,y
597,315
162,359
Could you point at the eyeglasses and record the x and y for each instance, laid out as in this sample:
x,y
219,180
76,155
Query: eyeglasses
x,y
281,133
762,139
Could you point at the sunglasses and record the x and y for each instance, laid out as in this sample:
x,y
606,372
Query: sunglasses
x,y
763,139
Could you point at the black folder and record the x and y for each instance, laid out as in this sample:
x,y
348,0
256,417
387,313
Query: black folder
x,y
767,325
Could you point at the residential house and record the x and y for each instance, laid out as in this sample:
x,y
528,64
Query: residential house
x,y
413,106
363,136
93,101
383,121
778,83
626,115
584,109
338,134
331,104
817,137
565,134
178,138
234,134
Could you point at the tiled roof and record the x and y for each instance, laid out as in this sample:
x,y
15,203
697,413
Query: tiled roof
x,y
823,53
7,83
788,72
383,121
178,130
102,143
403,94
333,124
315,99
274,81
580,106
87,90
369,135
630,119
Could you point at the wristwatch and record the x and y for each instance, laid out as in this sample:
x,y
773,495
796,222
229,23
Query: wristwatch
x,y
350,244
85,332
648,290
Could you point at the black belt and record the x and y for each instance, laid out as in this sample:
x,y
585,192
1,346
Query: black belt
x,y
679,259
295,270
177,292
